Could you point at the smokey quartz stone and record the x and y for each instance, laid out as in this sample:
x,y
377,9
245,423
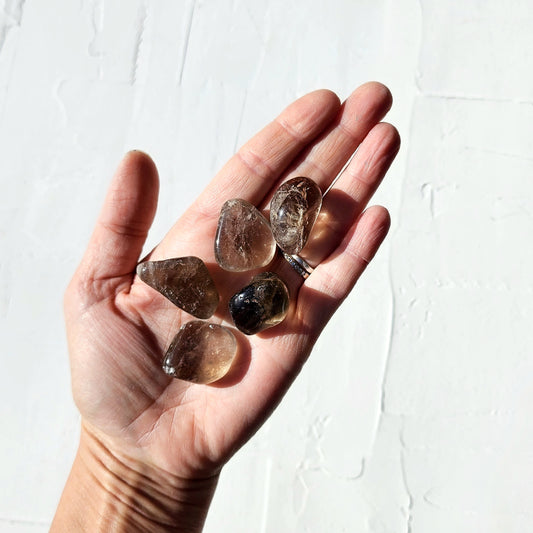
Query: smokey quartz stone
x,y
201,352
293,211
185,281
243,240
260,305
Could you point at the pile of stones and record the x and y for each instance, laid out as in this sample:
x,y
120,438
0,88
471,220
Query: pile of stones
x,y
202,352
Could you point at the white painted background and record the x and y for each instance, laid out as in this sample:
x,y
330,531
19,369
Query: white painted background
x,y
415,411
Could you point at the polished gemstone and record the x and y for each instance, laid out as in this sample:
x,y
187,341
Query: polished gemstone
x,y
261,304
243,240
201,352
185,281
293,211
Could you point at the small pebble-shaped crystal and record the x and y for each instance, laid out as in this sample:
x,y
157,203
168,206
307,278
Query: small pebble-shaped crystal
x,y
261,304
243,240
185,281
201,352
293,211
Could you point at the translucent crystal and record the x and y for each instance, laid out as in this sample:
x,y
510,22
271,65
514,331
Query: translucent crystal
x,y
201,352
185,281
243,240
293,211
261,304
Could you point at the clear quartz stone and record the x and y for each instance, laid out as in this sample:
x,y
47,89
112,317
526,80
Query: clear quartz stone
x,y
293,211
243,240
201,352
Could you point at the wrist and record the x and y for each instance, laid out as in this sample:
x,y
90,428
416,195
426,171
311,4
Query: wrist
x,y
111,491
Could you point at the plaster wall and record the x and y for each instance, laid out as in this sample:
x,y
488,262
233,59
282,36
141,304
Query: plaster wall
x,y
414,412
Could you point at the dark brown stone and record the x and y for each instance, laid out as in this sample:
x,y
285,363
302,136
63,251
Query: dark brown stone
x,y
185,281
260,305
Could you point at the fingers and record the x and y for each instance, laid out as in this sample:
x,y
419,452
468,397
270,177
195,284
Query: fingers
x,y
126,216
363,109
314,136
334,278
252,171
367,169
350,194
343,241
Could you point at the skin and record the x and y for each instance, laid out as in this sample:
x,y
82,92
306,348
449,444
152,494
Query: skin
x,y
152,447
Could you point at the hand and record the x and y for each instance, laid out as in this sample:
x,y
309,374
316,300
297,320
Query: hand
x,y
161,442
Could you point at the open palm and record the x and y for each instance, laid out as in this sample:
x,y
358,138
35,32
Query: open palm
x,y
118,327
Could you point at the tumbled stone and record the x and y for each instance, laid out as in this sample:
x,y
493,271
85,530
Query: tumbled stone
x,y
185,281
243,240
293,211
201,352
261,304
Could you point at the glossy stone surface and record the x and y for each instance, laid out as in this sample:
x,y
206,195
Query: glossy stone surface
x,y
185,281
261,304
201,352
293,212
243,240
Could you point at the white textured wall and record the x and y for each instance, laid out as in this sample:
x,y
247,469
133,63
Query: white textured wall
x,y
415,412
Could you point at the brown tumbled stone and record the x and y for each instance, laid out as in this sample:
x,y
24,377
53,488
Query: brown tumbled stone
x,y
260,305
243,240
293,211
185,281
201,352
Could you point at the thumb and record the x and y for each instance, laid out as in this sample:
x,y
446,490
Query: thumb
x,y
122,226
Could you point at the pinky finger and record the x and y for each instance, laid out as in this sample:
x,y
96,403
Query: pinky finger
x,y
333,279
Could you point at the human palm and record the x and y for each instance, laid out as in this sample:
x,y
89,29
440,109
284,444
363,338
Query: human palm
x,y
118,327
